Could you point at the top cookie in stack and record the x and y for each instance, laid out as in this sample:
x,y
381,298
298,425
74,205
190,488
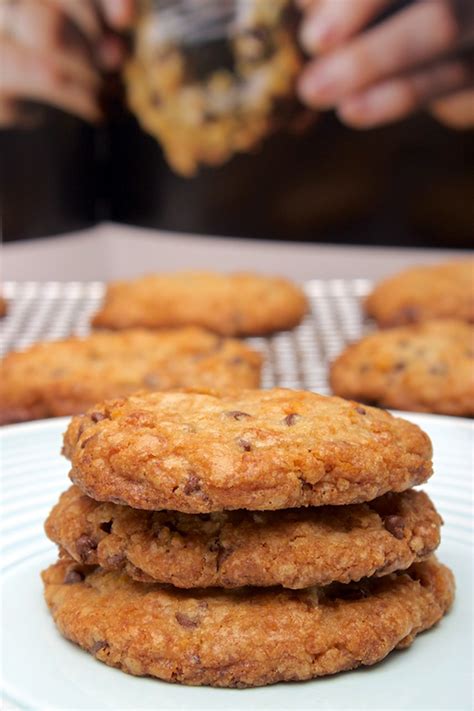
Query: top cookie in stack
x,y
199,452
187,489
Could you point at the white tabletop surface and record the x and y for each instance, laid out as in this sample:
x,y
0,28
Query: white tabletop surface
x,y
111,251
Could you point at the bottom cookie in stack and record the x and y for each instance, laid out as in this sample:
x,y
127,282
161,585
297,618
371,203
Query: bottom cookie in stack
x,y
272,595
244,637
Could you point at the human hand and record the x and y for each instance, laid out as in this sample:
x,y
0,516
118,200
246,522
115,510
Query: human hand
x,y
42,60
422,55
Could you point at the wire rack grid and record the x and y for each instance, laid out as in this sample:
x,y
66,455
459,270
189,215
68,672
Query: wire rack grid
x,y
40,311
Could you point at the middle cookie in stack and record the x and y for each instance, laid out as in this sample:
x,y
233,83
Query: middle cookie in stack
x,y
185,489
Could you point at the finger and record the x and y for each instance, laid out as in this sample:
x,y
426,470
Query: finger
x,y
305,4
26,74
394,99
83,14
38,27
456,111
118,13
14,113
8,113
329,22
414,36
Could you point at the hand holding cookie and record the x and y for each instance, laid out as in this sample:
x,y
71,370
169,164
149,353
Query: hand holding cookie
x,y
54,53
373,75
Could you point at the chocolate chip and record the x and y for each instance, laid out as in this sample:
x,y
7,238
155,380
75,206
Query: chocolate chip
x,y
364,368
361,410
420,470
84,546
151,380
185,620
399,366
98,416
244,444
73,576
155,99
408,314
99,645
222,552
116,560
237,414
291,419
438,369
395,525
192,485
106,526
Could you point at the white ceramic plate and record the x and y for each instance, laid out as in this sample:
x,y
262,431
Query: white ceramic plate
x,y
41,670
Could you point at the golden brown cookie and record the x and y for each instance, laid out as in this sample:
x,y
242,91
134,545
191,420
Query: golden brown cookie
x,y
294,548
247,637
198,452
3,306
206,100
427,367
66,377
440,291
233,304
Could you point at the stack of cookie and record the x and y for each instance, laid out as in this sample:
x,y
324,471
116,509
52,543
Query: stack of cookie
x,y
423,359
244,538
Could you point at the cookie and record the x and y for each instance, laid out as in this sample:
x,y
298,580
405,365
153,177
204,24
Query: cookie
x,y
66,377
232,305
427,367
422,293
3,307
247,637
204,106
294,548
198,452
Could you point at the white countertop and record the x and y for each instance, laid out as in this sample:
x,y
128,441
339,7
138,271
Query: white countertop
x,y
113,251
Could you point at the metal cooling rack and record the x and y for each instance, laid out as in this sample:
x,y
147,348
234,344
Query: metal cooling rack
x,y
40,311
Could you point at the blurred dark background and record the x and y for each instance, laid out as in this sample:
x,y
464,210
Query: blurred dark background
x,y
410,184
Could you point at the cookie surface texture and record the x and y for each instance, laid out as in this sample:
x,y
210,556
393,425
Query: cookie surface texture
x,y
426,367
66,377
205,106
246,637
199,452
231,305
294,548
421,293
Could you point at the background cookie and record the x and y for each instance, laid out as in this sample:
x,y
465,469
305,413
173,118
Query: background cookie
x,y
421,293
246,637
294,548
256,449
67,377
3,306
234,304
428,367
